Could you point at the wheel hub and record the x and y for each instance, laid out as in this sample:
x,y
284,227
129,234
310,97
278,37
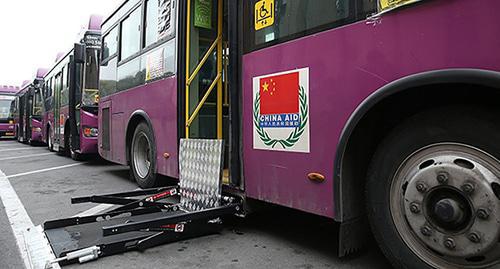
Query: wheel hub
x,y
449,204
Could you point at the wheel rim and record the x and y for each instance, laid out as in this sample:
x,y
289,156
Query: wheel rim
x,y
141,155
445,205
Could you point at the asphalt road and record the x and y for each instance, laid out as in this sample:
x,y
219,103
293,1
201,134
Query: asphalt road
x,y
273,238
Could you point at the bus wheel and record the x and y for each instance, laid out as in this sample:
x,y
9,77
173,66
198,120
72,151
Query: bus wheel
x,y
143,156
433,191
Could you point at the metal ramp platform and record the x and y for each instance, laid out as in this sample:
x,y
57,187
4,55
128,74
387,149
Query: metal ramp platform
x,y
147,218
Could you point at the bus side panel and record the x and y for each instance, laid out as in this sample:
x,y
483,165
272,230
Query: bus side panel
x,y
35,134
346,65
159,101
88,145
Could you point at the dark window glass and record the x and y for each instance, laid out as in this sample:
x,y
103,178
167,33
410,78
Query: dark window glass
x,y
131,34
297,18
110,42
91,92
65,87
37,107
5,106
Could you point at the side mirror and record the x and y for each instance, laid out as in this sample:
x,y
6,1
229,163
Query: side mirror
x,y
79,53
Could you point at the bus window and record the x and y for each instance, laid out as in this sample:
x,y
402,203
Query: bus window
x,y
37,107
90,92
110,42
295,18
151,27
130,34
65,89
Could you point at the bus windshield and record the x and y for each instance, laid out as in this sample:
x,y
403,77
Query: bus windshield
x,y
6,101
90,96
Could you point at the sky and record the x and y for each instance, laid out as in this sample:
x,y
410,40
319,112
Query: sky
x,y
33,32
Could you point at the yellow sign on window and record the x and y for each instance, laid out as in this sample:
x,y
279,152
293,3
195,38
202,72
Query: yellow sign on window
x,y
388,4
264,14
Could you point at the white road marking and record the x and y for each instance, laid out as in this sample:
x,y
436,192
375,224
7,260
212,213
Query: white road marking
x,y
20,223
3,150
97,209
44,170
94,210
26,156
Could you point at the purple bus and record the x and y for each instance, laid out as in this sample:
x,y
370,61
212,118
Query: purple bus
x,y
28,110
7,107
71,96
393,119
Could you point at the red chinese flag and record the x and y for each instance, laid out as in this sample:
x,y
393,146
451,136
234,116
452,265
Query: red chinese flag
x,y
279,94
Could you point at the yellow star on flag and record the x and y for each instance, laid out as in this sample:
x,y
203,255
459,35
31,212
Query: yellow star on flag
x,y
265,87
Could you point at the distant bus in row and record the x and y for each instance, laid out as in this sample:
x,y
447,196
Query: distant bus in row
x,y
28,110
7,104
70,96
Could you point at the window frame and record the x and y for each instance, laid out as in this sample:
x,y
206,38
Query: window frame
x,y
143,50
355,15
120,35
111,56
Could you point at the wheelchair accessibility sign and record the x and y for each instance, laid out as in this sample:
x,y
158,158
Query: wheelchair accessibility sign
x,y
264,14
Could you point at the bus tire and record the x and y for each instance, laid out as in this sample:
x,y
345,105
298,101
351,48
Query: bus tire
x,y
427,183
143,156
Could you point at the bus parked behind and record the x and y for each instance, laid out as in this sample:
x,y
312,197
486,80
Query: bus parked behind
x,y
28,110
71,95
7,104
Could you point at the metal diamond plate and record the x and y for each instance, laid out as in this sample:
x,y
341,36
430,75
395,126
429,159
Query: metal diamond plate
x,y
200,173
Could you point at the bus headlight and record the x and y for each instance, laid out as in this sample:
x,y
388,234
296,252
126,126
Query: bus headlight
x,y
11,122
90,132
36,129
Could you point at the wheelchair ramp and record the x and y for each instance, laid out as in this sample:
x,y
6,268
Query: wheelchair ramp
x,y
147,218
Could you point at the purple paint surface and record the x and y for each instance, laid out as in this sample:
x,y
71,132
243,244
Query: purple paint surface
x,y
158,100
348,64
88,145
36,135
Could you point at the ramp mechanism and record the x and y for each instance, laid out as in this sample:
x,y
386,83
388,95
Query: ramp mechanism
x,y
151,217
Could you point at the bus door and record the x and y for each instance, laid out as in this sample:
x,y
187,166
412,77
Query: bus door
x,y
22,112
29,112
206,96
57,111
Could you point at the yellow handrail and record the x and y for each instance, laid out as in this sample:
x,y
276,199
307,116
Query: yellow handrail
x,y
218,79
203,100
219,69
203,60
188,46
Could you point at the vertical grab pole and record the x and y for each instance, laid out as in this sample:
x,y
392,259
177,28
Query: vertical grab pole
x,y
188,46
220,17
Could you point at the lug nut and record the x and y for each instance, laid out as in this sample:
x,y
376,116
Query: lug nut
x,y
442,177
483,214
426,231
415,208
449,243
421,187
474,238
468,188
